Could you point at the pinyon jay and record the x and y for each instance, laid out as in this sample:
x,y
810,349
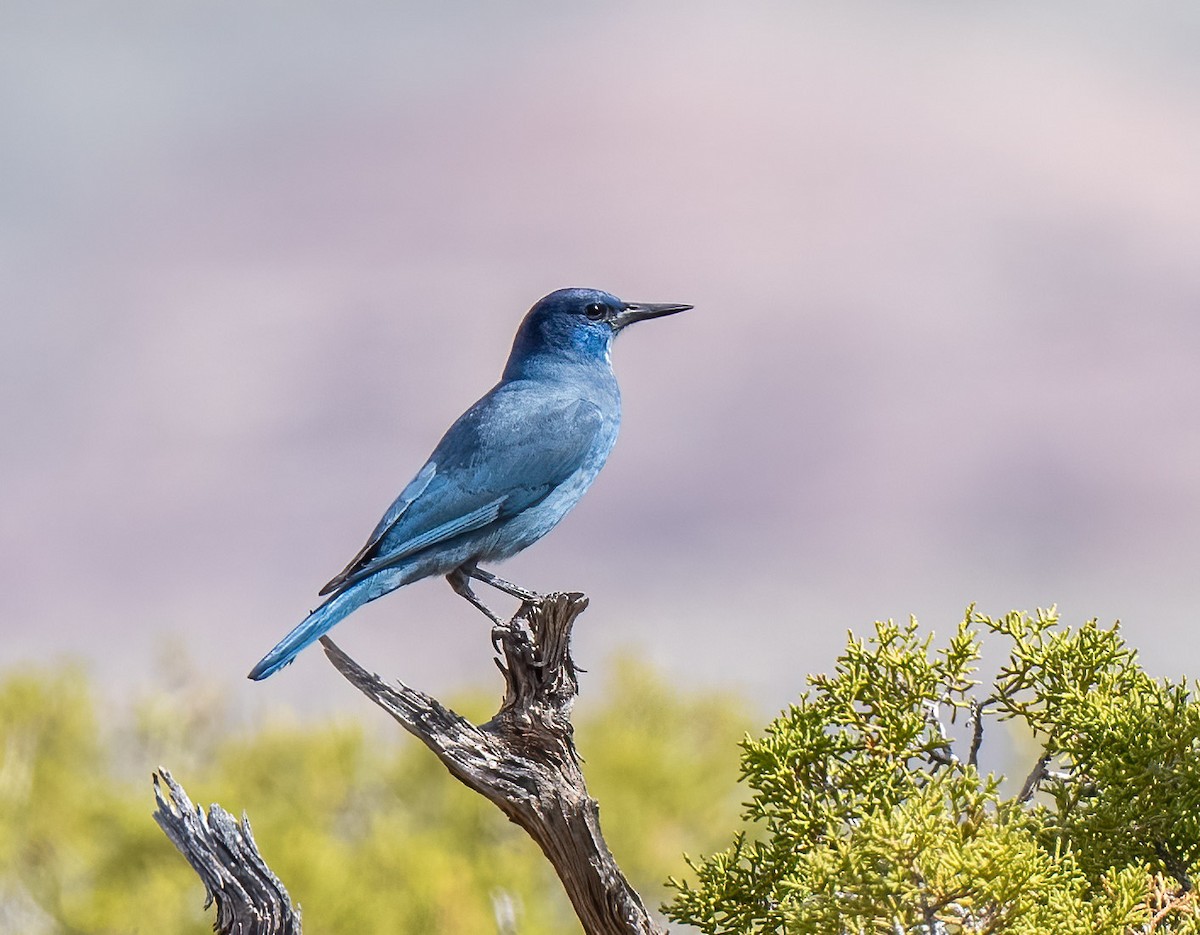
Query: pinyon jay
x,y
505,473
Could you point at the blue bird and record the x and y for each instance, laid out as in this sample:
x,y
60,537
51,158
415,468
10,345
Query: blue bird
x,y
505,473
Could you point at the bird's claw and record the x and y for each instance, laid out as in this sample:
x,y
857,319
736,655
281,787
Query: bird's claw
x,y
503,631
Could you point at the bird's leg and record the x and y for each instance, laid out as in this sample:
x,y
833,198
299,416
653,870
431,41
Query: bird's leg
x,y
529,597
460,581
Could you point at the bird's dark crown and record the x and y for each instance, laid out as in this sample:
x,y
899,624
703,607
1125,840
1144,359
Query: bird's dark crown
x,y
573,327
570,322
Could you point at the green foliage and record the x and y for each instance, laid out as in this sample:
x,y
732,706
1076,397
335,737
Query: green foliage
x,y
1128,746
870,817
362,823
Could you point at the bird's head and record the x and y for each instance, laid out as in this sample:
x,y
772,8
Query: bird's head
x,y
581,322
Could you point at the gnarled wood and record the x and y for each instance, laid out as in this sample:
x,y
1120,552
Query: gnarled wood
x,y
250,898
524,761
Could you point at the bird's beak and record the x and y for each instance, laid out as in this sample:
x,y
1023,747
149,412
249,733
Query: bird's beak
x,y
640,311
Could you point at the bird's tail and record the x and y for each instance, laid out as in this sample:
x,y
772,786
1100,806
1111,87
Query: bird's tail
x,y
312,628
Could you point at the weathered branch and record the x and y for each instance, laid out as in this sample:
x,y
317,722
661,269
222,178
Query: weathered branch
x,y
524,761
976,722
1039,774
250,898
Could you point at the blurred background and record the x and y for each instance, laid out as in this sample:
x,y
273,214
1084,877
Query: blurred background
x,y
254,258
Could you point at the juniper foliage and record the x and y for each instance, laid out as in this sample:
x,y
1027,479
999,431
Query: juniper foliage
x,y
869,813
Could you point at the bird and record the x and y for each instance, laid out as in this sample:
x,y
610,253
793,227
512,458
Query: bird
x,y
504,474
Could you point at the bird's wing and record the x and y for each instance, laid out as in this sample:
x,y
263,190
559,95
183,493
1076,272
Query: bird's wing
x,y
410,493
502,456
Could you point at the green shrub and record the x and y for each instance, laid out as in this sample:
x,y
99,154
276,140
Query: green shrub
x,y
869,813
363,825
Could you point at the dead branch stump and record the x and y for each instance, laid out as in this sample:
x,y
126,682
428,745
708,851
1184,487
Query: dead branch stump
x,y
250,898
524,761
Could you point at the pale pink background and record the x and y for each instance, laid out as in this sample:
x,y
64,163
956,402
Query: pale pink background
x,y
254,258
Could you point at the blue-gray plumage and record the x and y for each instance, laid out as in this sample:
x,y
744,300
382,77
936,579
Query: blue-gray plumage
x,y
505,473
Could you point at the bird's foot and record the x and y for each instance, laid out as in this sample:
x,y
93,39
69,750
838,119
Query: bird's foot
x,y
461,585
522,594
510,633
499,632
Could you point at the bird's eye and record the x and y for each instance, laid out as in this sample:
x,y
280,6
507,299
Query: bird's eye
x,y
597,311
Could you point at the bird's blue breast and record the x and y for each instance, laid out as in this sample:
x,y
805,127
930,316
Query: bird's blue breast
x,y
595,400
526,527
508,470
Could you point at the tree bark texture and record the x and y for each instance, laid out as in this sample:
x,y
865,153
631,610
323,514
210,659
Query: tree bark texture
x,y
523,760
250,898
